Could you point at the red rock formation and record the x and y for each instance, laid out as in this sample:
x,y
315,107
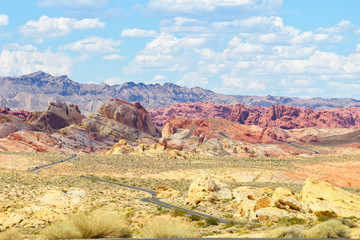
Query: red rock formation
x,y
134,116
21,114
58,115
285,117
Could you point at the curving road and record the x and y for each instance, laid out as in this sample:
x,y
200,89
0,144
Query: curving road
x,y
38,168
153,199
307,149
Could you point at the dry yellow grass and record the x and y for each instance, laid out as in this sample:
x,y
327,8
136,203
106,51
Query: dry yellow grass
x,y
161,228
12,234
94,225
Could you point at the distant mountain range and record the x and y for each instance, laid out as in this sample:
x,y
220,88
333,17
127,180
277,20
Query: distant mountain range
x,y
34,92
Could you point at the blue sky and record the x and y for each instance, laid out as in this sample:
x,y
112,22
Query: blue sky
x,y
298,48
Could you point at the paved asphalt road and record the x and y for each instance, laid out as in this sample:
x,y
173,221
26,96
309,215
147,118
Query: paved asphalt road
x,y
153,199
291,144
38,168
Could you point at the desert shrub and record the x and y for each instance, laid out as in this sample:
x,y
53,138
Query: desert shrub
x,y
229,224
329,229
61,230
178,212
212,221
193,217
11,235
291,221
168,229
348,222
101,225
323,218
95,225
285,232
201,224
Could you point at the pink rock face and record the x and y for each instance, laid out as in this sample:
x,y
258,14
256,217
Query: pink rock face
x,y
280,116
134,116
21,114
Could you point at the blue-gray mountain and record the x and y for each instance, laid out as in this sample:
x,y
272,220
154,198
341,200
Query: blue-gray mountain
x,y
34,92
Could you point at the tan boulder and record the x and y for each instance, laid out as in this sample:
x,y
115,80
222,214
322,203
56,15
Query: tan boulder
x,y
251,193
164,192
122,147
246,207
287,197
270,214
264,202
64,198
168,130
324,199
206,189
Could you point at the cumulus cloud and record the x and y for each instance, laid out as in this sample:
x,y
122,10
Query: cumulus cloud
x,y
19,60
138,33
4,20
47,27
113,57
73,4
166,53
94,45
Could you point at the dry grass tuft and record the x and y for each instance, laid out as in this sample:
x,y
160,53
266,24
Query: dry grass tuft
x,y
11,235
94,225
61,230
168,229
329,229
101,225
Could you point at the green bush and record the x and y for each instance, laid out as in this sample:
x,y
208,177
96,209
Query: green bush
x,y
212,221
178,213
291,221
193,218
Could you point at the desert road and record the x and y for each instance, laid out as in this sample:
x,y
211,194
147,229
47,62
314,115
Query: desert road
x,y
38,168
157,201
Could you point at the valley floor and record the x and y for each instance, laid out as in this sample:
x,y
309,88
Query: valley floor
x,y
30,202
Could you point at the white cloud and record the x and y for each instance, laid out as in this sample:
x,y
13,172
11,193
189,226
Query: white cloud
x,y
115,81
94,45
47,27
73,4
193,79
166,53
4,20
19,60
15,46
113,57
161,7
138,33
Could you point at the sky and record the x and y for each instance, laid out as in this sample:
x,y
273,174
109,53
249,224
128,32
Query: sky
x,y
296,48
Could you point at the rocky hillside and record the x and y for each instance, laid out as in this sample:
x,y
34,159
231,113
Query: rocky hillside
x,y
286,117
62,128
34,91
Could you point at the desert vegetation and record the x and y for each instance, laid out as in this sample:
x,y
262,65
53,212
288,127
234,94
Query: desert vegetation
x,y
58,203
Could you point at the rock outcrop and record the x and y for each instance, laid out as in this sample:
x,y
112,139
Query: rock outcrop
x,y
205,190
58,115
10,124
117,119
324,199
279,116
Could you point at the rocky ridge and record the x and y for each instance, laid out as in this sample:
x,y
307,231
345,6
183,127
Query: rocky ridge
x,y
280,116
34,91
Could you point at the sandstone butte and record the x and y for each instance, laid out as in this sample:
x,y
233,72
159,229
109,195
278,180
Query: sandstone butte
x,y
286,117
